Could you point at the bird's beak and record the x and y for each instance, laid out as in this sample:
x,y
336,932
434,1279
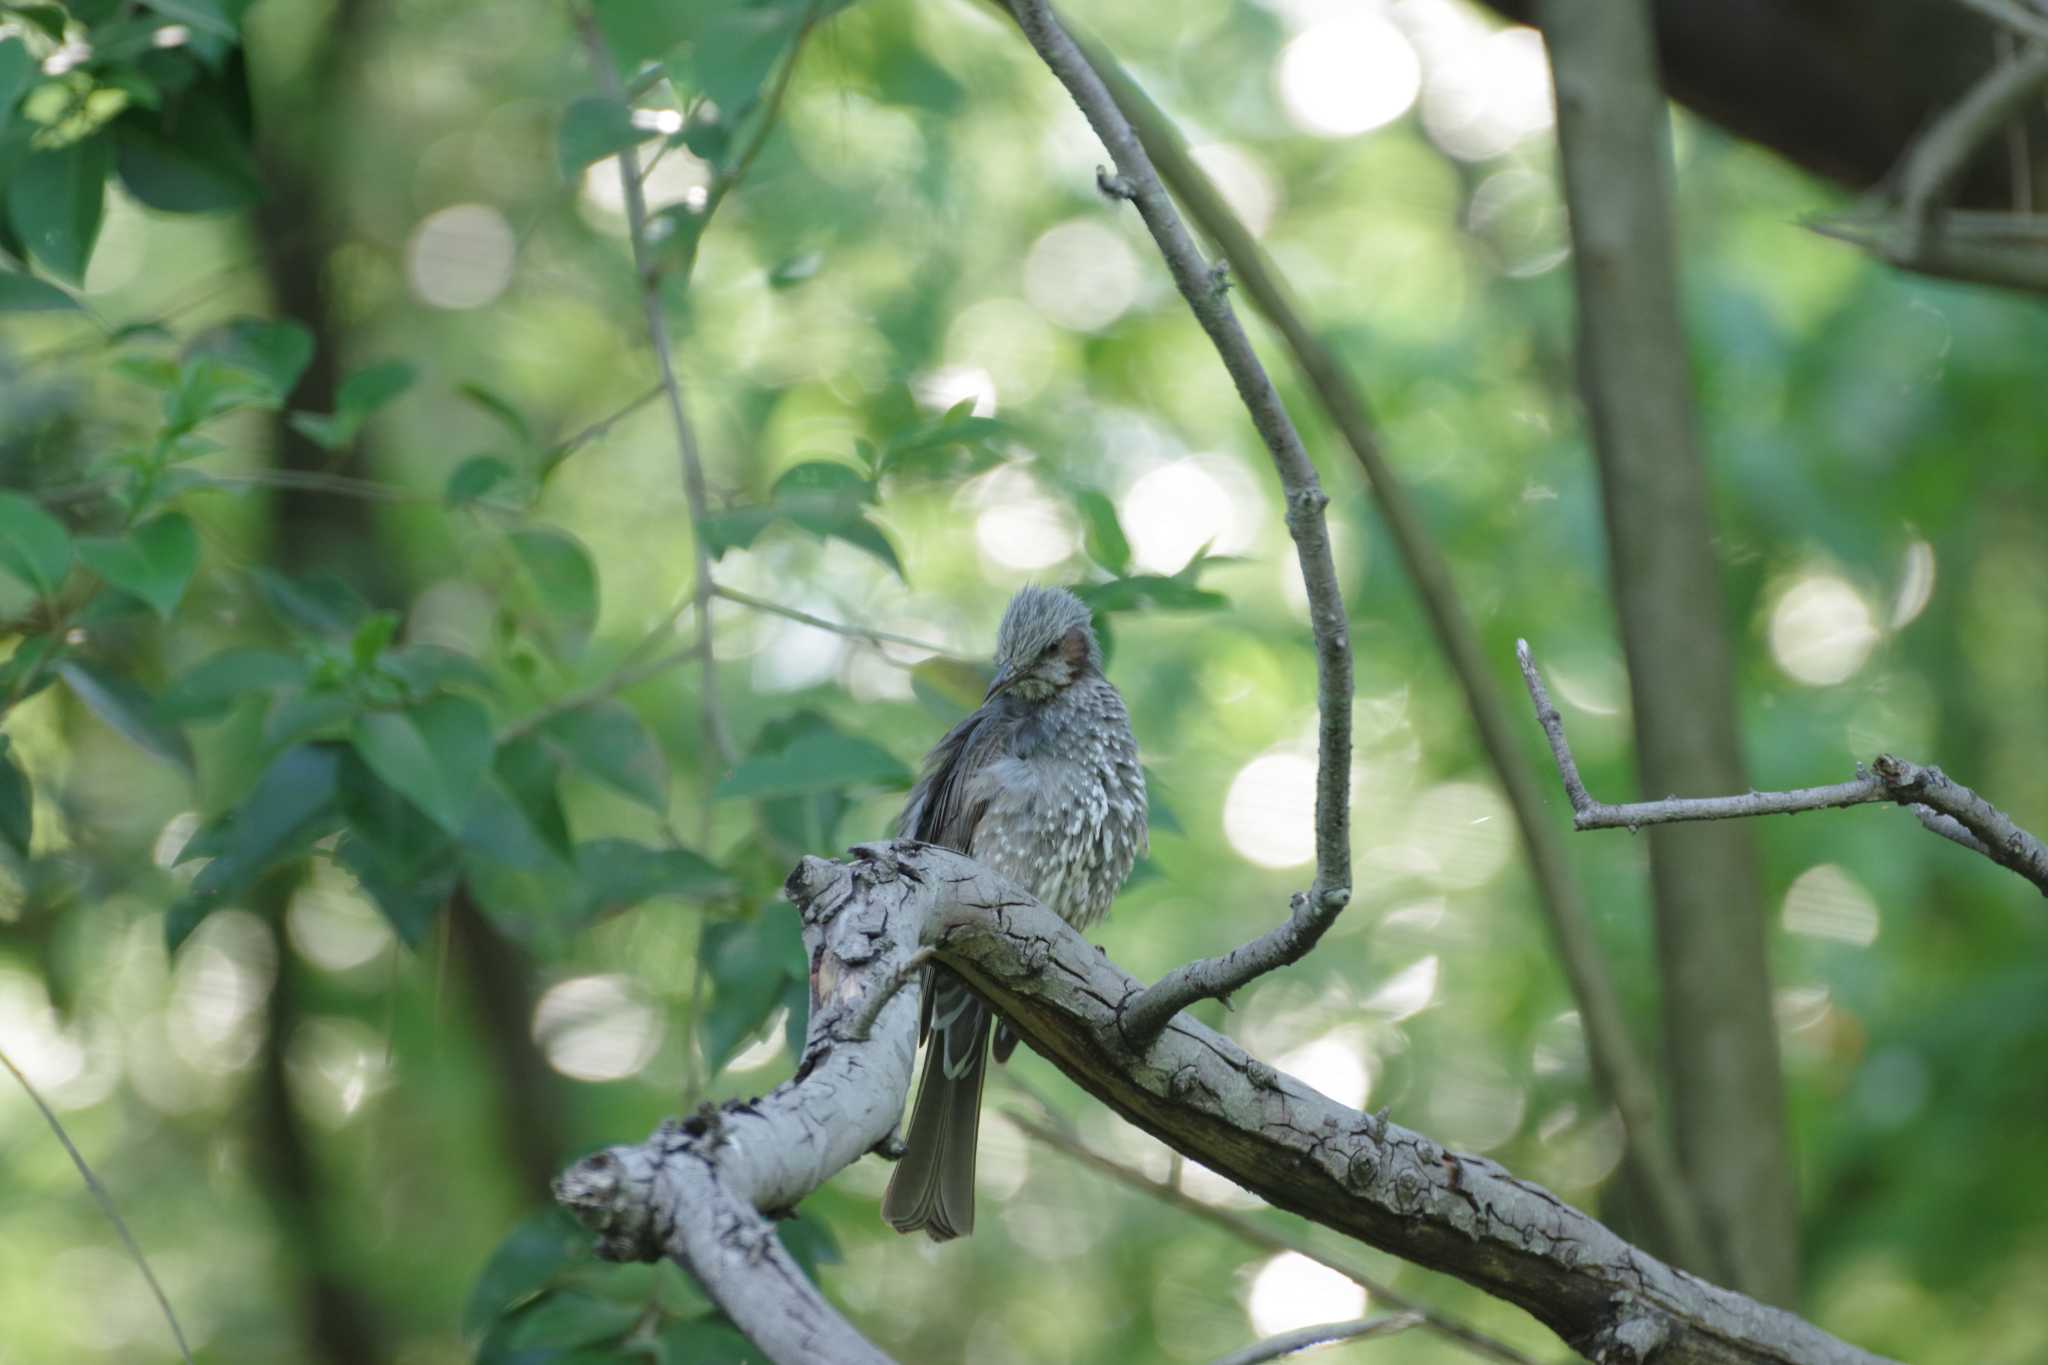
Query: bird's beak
x,y
1004,677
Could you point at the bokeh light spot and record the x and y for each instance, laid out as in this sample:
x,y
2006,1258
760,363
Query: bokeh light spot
x,y
1269,812
1173,511
461,257
597,1028
1827,903
1822,630
1019,527
1291,1292
1348,75
1081,275
1916,584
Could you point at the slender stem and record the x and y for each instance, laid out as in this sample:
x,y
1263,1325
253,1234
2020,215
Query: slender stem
x,y
622,680
1206,292
106,1203
1258,1234
717,742
1619,1069
1301,1339
874,637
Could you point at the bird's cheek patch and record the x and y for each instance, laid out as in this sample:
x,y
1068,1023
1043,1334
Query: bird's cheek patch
x,y
1074,647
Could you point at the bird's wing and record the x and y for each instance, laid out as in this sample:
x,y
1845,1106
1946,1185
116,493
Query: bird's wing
x,y
942,809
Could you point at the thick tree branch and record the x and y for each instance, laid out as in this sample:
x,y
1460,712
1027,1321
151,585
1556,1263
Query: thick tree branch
x,y
692,1192
1618,1067
1944,806
1205,290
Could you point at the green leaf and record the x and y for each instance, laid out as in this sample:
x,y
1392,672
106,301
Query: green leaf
x,y
402,860
210,689
514,421
434,755
208,16
34,546
27,671
475,477
291,806
1155,591
532,1254
594,127
695,1341
555,1323
823,760
639,31
619,873
1104,534
154,561
737,47
792,272
363,392
129,710
810,1242
426,669
748,962
1159,815
609,742
531,774
299,716
193,156
17,72
21,293
17,805
830,499
55,199
563,578
275,352
320,604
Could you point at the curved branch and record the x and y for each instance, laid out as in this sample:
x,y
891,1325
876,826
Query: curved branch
x,y
1618,1066
690,1193
1206,291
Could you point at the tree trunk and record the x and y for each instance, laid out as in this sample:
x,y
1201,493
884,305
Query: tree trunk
x,y
1720,1040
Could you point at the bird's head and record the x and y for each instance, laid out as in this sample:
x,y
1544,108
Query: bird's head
x,y
1045,644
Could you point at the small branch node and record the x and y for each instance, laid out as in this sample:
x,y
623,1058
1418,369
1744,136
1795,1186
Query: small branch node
x,y
1114,186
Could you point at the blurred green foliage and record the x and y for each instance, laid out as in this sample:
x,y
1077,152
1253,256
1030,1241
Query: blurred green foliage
x,y
450,888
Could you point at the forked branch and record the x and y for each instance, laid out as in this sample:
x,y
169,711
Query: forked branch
x,y
1944,806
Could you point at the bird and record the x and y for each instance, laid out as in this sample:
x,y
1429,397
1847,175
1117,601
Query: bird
x,y
1041,785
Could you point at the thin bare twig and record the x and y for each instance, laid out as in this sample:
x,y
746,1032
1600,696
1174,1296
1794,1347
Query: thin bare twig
x,y
1938,156
1206,291
716,739
1301,1339
569,445
625,678
873,637
1258,1234
106,1203
1945,807
1618,1066
2004,264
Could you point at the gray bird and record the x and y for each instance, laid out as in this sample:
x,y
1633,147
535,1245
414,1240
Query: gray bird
x,y
1041,785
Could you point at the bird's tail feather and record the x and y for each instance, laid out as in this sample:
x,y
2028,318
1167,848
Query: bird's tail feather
x,y
933,1185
